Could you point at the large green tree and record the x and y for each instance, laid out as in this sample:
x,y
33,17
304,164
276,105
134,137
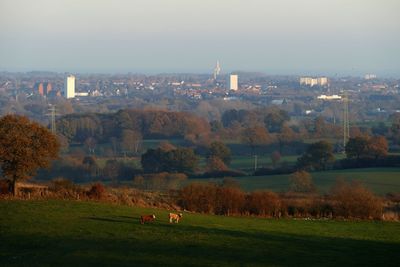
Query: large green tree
x,y
181,160
317,156
255,136
301,181
357,147
221,151
25,146
130,141
275,120
90,166
395,128
366,147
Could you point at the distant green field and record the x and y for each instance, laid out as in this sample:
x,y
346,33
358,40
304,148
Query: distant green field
x,y
130,161
247,162
380,180
153,143
56,233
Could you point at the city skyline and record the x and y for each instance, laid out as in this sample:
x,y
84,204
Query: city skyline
x,y
305,37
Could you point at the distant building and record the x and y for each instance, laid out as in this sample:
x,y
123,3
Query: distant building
x,y
96,93
310,81
43,89
40,89
322,81
329,97
69,87
81,94
233,82
370,76
47,87
193,85
278,102
217,70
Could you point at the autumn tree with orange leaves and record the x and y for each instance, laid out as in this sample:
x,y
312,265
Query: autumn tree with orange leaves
x,y
25,146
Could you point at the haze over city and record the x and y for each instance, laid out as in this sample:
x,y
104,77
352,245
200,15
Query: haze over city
x,y
315,37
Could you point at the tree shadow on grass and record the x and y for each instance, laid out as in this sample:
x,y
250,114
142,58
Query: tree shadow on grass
x,y
306,249
111,219
186,245
128,217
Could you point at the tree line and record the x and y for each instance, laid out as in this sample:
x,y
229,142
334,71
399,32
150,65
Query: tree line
x,y
146,124
257,128
345,200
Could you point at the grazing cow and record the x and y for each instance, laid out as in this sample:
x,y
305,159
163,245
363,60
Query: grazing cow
x,y
174,217
147,218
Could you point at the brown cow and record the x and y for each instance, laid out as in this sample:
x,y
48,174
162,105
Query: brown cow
x,y
147,218
174,217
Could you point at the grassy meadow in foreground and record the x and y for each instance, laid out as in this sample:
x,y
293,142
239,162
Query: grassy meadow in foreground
x,y
64,233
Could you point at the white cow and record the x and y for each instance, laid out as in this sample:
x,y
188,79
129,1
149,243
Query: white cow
x,y
174,217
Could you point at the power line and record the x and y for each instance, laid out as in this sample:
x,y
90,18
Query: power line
x,y
52,115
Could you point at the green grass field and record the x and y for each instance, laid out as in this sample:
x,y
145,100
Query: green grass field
x,y
247,162
379,180
57,233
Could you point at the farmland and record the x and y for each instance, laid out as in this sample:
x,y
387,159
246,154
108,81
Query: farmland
x,y
379,180
62,233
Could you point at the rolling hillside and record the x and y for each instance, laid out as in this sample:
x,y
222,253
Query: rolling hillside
x,y
62,233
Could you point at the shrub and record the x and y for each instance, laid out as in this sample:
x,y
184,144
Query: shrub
x,y
97,191
221,151
263,203
4,186
320,207
301,181
59,184
199,197
226,173
215,164
229,200
269,171
275,158
353,200
393,197
211,198
387,161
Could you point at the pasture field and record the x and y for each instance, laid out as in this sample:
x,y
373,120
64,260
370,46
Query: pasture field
x,y
379,180
247,162
66,233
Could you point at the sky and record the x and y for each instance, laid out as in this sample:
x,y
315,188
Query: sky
x,y
315,37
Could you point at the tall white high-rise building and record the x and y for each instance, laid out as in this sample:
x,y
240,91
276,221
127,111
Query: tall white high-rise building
x,y
69,86
233,82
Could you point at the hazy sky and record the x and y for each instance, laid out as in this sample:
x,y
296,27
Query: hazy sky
x,y
271,36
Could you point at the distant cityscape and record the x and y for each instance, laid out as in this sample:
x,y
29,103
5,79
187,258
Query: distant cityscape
x,y
29,93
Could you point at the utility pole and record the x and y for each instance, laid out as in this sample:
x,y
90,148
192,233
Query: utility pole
x,y
52,115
